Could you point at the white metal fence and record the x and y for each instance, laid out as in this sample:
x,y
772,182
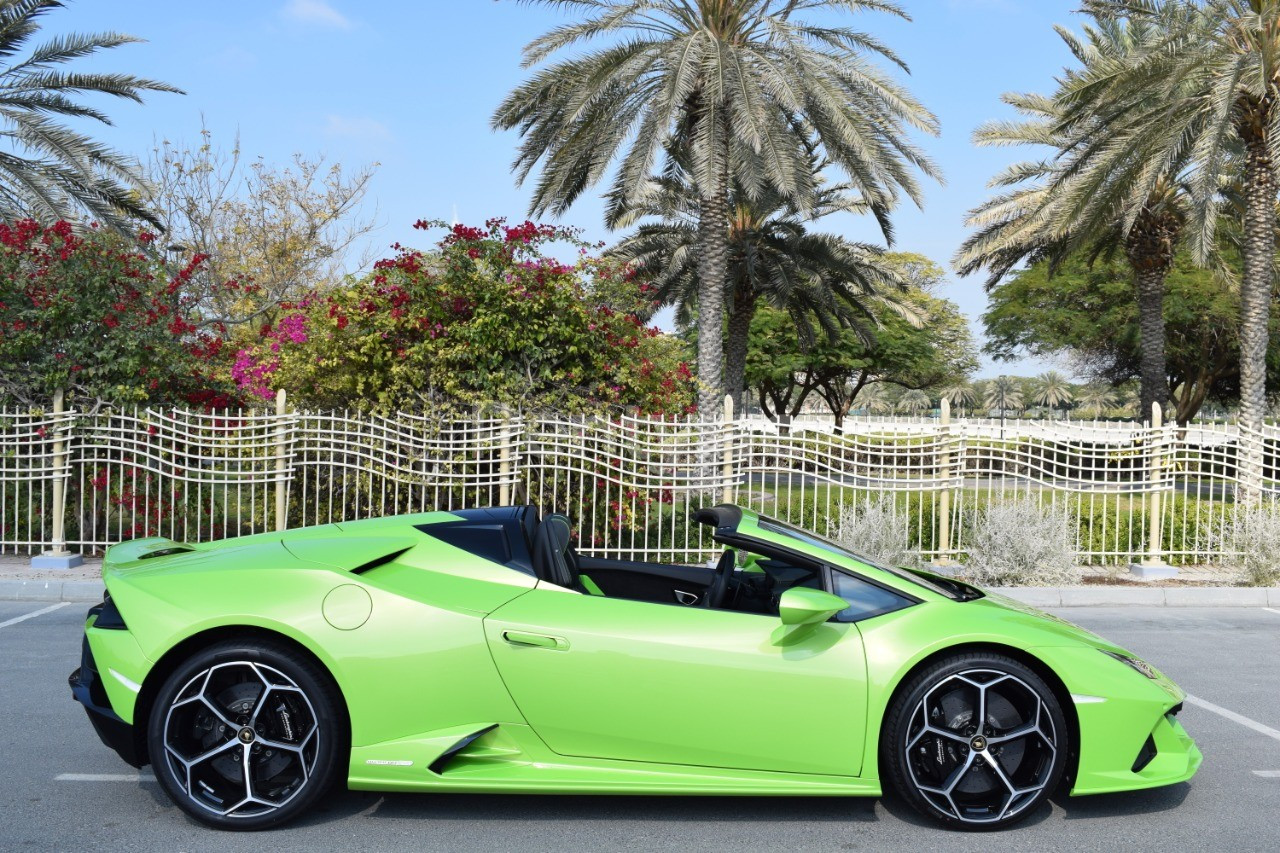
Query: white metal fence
x,y
1132,491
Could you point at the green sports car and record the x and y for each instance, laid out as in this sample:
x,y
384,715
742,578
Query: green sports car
x,y
477,651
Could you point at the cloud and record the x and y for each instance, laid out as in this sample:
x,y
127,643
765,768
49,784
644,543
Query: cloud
x,y
316,12
359,128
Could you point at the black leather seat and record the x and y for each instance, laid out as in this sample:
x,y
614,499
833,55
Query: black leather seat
x,y
553,557
528,516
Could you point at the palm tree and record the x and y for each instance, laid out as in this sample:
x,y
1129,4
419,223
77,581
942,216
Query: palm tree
x,y
772,256
874,399
1098,192
1053,389
962,394
914,402
1093,400
1132,401
1003,393
1207,84
747,89
48,171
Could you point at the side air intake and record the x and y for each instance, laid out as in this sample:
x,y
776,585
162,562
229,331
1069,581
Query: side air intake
x,y
437,767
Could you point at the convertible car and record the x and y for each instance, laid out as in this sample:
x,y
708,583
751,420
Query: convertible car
x,y
477,651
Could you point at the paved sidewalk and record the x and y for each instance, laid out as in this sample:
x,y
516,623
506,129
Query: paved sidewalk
x,y
20,582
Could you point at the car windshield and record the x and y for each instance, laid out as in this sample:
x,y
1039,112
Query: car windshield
x,y
782,528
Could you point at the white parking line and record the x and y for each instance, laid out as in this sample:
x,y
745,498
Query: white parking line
x,y
1234,717
1267,774
15,620
1272,610
104,777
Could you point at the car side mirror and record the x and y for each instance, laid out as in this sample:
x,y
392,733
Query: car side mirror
x,y
804,606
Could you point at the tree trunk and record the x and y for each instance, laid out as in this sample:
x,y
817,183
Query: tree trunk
x,y
1150,247
1259,251
1155,377
713,270
735,357
1192,398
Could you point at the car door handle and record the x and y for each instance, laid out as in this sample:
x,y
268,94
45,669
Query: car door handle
x,y
541,641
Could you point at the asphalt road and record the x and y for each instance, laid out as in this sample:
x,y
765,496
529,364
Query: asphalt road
x,y
1229,658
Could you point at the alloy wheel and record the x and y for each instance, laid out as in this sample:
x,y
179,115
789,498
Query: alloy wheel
x,y
242,739
980,746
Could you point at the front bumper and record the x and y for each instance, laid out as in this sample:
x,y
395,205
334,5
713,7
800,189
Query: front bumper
x,y
1129,736
87,689
1167,756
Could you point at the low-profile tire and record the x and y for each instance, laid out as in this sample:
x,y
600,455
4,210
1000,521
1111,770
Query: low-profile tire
x,y
247,734
967,775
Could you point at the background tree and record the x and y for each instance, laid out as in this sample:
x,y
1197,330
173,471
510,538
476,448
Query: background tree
x,y
817,278
273,234
785,364
49,171
1098,192
961,394
874,399
914,402
1003,394
1086,314
748,90
778,367
1052,389
1095,399
1207,84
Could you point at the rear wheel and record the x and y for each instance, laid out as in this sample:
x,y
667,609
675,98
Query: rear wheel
x,y
975,741
246,735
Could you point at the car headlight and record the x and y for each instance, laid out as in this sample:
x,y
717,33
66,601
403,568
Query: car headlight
x,y
1133,663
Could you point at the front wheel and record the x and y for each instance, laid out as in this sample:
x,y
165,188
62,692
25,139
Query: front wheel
x,y
246,735
975,741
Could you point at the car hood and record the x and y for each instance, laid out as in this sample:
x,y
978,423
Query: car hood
x,y
1007,609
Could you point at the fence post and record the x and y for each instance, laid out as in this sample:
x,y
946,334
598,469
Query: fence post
x,y
943,501
1153,565
58,557
504,463
726,471
282,488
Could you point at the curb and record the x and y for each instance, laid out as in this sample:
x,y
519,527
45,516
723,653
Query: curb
x,y
1047,597
1173,596
51,590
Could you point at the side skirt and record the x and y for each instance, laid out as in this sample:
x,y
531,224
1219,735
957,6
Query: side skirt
x,y
510,758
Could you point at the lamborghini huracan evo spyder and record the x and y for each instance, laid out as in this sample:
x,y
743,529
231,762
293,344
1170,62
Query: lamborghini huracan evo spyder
x,y
477,651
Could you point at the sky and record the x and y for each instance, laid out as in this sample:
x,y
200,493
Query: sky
x,y
411,85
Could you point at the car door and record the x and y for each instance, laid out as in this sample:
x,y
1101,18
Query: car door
x,y
612,678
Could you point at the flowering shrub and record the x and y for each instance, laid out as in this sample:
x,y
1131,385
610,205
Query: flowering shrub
x,y
488,316
96,314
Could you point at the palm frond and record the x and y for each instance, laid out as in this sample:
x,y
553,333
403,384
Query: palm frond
x,y
47,170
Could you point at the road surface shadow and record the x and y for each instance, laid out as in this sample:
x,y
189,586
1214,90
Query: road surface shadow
x,y
556,807
343,805
1124,804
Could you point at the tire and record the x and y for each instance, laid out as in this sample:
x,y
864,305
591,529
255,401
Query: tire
x,y
963,776
255,704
